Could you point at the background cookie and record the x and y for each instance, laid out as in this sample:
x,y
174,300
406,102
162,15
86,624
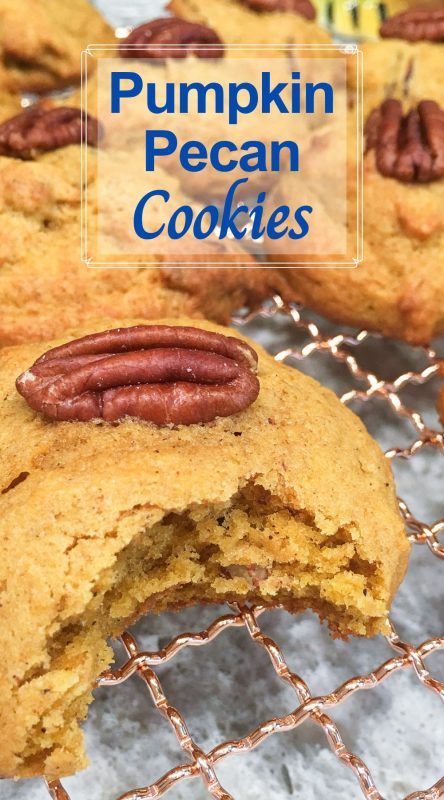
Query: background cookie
x,y
441,396
41,41
44,286
398,289
406,71
240,22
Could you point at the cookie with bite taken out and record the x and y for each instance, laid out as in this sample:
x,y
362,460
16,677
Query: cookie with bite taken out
x,y
289,502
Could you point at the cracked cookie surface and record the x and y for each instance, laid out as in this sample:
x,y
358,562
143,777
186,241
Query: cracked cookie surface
x,y
406,71
237,23
45,287
9,104
41,42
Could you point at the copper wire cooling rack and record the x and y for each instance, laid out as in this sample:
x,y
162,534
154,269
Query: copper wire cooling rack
x,y
344,349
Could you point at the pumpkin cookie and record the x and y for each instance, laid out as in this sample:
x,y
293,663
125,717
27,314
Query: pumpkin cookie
x,y
398,289
289,502
41,42
45,287
258,22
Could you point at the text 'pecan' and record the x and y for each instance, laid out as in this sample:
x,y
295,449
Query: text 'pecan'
x,y
168,375
415,25
38,130
408,147
303,7
162,34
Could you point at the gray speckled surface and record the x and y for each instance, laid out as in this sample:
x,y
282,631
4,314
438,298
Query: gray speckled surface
x,y
227,688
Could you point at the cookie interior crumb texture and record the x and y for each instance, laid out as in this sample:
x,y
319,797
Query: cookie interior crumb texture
x,y
288,502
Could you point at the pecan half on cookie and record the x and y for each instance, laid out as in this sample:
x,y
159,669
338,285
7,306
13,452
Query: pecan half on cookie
x,y
408,147
415,25
39,129
162,34
168,375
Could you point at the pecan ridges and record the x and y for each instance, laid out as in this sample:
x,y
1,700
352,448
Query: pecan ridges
x,y
162,34
39,129
415,25
408,147
167,375
303,7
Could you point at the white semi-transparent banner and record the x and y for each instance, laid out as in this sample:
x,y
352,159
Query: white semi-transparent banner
x,y
203,159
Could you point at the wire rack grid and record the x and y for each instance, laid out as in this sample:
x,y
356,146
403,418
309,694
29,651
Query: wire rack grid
x,y
343,349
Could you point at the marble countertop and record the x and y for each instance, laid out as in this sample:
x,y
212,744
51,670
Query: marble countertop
x,y
225,689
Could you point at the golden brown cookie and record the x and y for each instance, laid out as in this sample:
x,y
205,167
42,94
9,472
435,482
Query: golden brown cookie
x,y
41,42
126,132
406,62
398,289
289,501
404,70
45,287
250,22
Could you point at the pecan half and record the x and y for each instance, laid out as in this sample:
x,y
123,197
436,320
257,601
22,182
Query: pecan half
x,y
303,7
162,34
39,129
422,24
408,147
168,375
